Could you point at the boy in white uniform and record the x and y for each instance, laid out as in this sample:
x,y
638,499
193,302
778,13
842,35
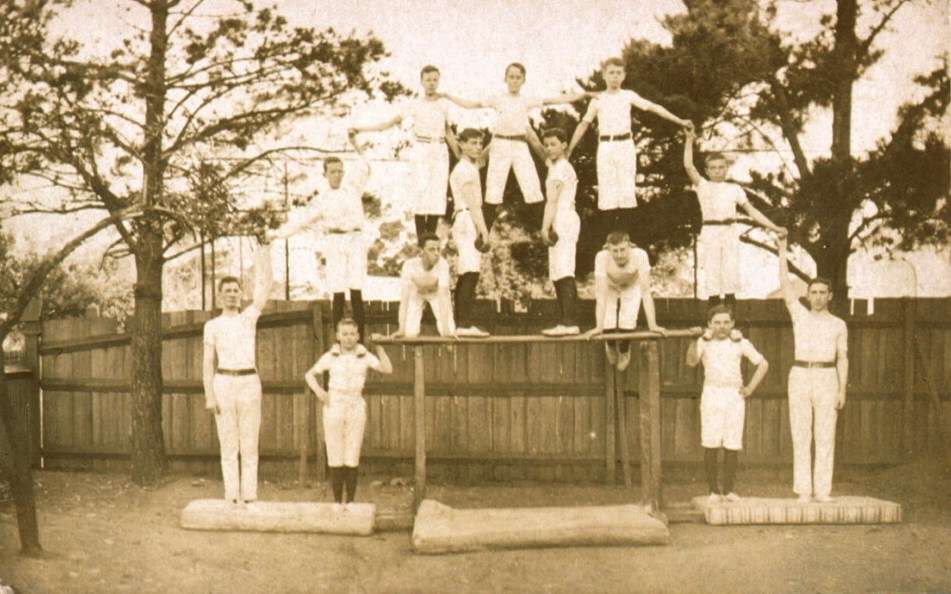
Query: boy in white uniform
x,y
469,231
817,382
723,404
431,133
617,155
340,217
560,228
345,410
719,243
622,275
231,382
425,279
510,137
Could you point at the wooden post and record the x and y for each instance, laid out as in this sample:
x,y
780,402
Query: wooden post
x,y
623,443
610,449
419,416
649,405
908,377
315,432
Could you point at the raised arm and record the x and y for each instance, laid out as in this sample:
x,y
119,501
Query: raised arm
x,y
689,166
263,275
789,293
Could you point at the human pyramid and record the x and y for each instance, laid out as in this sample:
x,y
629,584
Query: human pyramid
x,y
622,280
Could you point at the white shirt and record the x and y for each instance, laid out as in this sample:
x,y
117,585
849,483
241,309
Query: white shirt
x,y
342,208
721,361
425,282
614,111
465,173
233,338
348,370
513,113
638,263
562,171
428,117
818,337
718,200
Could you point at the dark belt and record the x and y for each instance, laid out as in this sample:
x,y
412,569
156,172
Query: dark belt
x,y
340,231
520,138
609,138
814,364
429,139
720,222
236,372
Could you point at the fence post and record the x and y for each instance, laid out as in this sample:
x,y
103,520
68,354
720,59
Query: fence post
x,y
610,448
649,405
315,432
419,416
908,379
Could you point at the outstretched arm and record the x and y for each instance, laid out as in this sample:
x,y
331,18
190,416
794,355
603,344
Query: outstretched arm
x,y
377,127
760,218
263,275
465,103
565,98
692,173
661,111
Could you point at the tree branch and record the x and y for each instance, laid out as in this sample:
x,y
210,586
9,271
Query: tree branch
x,y
789,130
866,43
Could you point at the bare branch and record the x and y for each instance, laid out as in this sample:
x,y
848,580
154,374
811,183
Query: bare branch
x,y
184,18
789,130
866,44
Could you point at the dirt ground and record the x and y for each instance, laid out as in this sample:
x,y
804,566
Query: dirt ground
x,y
103,534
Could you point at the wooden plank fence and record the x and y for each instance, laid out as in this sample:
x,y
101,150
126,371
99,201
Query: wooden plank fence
x,y
501,411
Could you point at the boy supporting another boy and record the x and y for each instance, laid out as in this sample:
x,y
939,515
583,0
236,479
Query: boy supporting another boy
x,y
719,242
617,155
722,403
468,229
560,228
425,279
430,158
622,280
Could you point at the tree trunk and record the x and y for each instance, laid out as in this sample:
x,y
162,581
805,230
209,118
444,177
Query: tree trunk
x,y
846,46
21,478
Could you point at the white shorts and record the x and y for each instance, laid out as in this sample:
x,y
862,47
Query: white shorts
x,y
464,234
620,310
561,256
722,412
414,314
430,178
346,255
505,155
718,250
617,174
345,418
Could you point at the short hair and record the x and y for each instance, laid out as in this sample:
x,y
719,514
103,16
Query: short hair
x,y
226,280
714,156
330,161
468,134
820,280
555,133
427,236
719,309
518,65
618,237
612,61
427,69
348,321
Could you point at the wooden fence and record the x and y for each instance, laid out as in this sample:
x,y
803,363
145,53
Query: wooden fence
x,y
495,412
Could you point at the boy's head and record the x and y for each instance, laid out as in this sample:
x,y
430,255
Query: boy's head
x,y
430,248
716,166
720,321
514,76
348,333
819,293
429,78
333,171
612,71
619,245
556,142
470,141
229,292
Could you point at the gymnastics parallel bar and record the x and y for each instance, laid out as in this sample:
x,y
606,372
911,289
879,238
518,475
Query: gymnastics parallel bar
x,y
649,415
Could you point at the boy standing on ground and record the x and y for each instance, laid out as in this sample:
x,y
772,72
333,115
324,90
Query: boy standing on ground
x,y
723,401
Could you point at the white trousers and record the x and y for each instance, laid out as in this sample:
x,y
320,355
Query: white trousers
x,y
430,161
464,233
414,314
562,255
239,424
718,249
346,255
620,311
617,174
722,414
345,418
505,155
812,414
